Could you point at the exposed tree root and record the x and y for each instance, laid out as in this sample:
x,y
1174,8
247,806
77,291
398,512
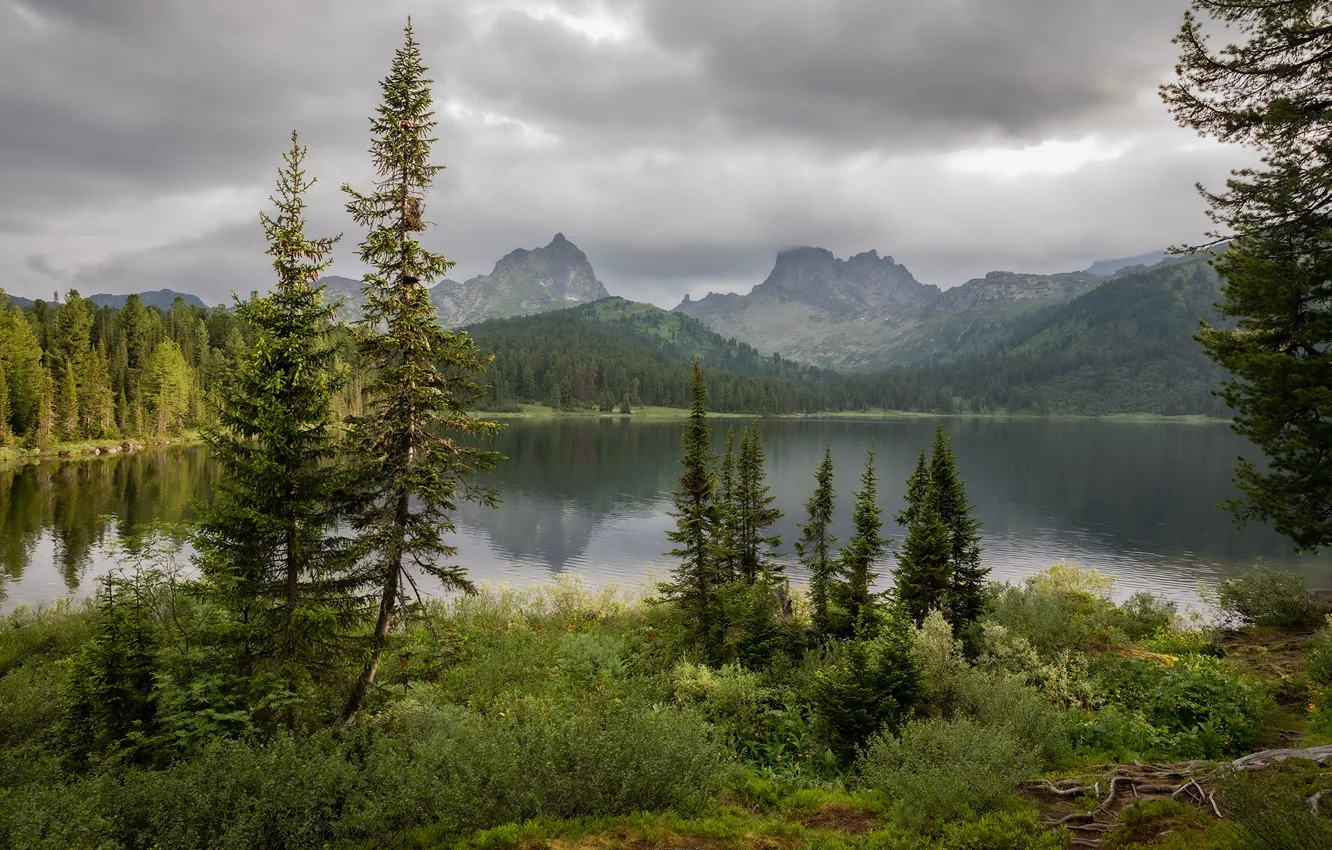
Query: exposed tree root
x,y
1135,782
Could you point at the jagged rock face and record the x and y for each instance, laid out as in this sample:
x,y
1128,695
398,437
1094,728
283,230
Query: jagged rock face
x,y
850,288
523,281
549,278
1012,286
868,312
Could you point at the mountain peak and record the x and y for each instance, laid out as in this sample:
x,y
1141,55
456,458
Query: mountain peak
x,y
864,285
524,281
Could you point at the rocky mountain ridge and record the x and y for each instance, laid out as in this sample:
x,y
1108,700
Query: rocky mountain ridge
x,y
868,312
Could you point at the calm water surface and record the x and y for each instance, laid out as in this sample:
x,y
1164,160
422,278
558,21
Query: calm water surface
x,y
590,497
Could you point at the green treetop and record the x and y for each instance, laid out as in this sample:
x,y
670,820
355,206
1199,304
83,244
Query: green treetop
x,y
728,513
696,577
815,546
266,543
753,506
866,546
966,589
413,449
1271,91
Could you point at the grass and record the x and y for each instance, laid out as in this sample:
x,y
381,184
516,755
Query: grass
x,y
86,447
665,414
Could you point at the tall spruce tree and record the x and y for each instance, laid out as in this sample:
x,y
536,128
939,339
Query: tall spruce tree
x,y
96,402
6,414
917,491
866,546
755,513
728,513
966,586
266,543
44,426
815,546
696,577
924,571
67,404
1271,91
414,449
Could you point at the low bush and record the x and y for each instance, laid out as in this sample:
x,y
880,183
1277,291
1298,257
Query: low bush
x,y
865,684
1270,809
1198,706
421,763
1266,597
939,770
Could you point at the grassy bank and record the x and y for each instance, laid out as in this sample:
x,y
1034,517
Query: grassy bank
x,y
95,447
563,717
647,413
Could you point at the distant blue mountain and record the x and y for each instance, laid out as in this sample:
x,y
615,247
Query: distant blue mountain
x,y
17,301
160,298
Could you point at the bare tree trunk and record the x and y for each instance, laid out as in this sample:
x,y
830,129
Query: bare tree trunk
x,y
388,602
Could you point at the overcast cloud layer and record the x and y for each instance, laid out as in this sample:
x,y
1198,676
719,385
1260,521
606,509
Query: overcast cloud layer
x,y
680,143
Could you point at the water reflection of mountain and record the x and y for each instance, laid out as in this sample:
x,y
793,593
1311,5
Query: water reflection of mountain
x,y
591,495
564,480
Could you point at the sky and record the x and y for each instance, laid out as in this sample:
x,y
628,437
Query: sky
x,y
680,143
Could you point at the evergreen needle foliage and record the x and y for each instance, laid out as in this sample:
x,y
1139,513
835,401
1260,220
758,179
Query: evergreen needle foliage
x,y
728,515
413,449
752,506
265,543
1271,91
939,565
965,597
697,576
866,546
815,546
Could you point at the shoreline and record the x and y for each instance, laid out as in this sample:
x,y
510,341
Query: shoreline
x,y
95,448
666,414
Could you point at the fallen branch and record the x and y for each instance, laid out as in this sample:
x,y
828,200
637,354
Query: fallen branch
x,y
1258,761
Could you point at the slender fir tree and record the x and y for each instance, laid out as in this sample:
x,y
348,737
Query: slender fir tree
x,y
966,587
755,514
866,546
696,577
414,448
44,431
815,546
917,492
6,414
266,543
728,514
924,572
67,404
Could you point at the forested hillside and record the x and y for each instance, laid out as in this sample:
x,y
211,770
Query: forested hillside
x,y
1125,346
76,370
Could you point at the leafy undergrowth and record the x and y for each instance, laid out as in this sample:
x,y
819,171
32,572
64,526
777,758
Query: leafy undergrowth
x,y
565,717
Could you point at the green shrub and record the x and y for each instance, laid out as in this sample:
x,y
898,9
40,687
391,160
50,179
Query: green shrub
x,y
420,764
1266,597
1146,614
1198,706
1005,702
1004,830
867,683
944,770
753,625
1269,807
1114,733
1320,657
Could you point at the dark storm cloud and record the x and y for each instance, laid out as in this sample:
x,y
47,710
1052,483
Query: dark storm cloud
x,y
839,73
680,143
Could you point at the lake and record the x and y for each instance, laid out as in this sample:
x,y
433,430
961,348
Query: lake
x,y
590,497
